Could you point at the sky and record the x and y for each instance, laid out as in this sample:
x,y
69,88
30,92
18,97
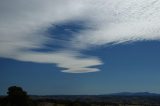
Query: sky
x,y
80,47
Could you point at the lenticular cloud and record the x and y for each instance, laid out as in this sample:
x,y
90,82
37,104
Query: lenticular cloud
x,y
23,26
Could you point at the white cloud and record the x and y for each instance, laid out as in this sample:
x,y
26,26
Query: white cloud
x,y
118,21
23,24
72,62
22,27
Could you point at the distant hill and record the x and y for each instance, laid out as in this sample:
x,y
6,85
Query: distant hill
x,y
134,94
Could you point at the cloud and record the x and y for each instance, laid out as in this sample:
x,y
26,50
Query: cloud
x,y
23,25
71,61
119,21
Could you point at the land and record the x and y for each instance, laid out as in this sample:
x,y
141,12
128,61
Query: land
x,y
118,99
101,100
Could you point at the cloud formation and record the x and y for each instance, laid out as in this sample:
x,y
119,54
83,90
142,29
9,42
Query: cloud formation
x,y
23,25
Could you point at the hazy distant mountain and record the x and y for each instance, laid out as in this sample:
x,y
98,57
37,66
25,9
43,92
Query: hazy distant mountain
x,y
134,94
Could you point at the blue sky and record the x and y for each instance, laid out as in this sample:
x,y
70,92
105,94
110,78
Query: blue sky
x,y
80,47
128,67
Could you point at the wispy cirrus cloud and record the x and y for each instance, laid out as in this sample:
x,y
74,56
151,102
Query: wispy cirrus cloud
x,y
118,21
24,25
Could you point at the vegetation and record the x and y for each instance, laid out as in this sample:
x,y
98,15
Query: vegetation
x,y
16,97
